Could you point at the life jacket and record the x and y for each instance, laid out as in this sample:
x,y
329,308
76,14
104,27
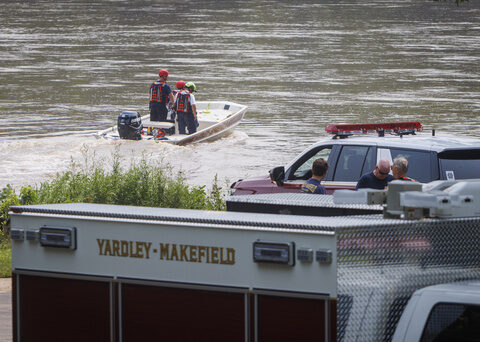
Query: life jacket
x,y
156,91
183,102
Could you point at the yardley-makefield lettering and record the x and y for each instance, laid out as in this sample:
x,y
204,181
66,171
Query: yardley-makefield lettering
x,y
167,251
123,248
191,253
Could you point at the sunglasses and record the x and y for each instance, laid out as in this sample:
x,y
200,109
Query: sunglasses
x,y
381,172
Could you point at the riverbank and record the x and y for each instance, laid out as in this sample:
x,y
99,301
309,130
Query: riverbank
x,y
5,284
5,309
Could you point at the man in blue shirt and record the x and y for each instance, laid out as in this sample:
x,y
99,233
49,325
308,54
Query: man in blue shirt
x,y
160,96
319,171
378,178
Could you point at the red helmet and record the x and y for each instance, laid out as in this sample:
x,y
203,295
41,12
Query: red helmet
x,y
163,72
180,84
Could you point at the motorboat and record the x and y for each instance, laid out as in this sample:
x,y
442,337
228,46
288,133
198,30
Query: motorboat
x,y
215,119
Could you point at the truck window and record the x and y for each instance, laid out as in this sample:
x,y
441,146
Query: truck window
x,y
452,322
459,164
350,163
370,162
304,169
418,163
461,168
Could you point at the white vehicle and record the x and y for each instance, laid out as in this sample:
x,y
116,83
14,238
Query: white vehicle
x,y
123,273
446,312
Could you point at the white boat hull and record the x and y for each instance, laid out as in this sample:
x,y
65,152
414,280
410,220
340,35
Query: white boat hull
x,y
216,119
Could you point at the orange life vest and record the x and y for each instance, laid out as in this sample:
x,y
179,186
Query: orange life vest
x,y
156,93
183,102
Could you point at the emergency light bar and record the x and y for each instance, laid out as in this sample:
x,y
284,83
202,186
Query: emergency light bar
x,y
393,127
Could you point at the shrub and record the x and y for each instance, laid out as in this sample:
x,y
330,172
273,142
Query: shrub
x,y
141,184
7,199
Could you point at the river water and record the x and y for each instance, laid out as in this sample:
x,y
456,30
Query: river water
x,y
67,69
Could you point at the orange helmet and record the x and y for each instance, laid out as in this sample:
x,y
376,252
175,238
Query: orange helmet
x,y
180,84
163,72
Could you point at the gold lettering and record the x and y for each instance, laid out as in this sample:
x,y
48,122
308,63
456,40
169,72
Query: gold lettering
x,y
147,248
107,248
138,250
214,255
193,253
116,247
164,251
100,242
183,253
221,256
167,251
174,252
230,256
201,253
124,248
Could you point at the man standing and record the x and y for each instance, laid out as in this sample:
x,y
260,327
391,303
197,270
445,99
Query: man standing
x,y
319,171
160,96
186,109
378,178
400,168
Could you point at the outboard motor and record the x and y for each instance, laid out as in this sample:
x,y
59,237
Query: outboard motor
x,y
130,126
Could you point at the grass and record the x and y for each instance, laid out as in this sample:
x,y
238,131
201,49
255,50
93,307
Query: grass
x,y
5,257
142,183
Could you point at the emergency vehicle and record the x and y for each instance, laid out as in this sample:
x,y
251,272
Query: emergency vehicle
x,y
89,272
352,152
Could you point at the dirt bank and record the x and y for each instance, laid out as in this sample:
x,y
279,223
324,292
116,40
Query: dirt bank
x,y
5,284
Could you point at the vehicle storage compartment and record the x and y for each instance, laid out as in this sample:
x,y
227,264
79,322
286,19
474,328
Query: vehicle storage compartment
x,y
292,318
49,307
173,275
182,314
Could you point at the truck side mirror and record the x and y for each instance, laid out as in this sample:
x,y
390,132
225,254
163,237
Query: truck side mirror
x,y
277,175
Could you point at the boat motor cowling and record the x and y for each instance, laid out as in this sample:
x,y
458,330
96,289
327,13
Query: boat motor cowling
x,y
130,126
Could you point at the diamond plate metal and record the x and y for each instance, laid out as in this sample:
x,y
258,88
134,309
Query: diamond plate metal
x,y
380,266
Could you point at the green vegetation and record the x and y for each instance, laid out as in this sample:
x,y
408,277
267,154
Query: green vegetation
x,y
5,256
143,183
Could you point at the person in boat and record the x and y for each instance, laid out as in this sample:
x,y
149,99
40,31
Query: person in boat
x,y
378,178
192,89
172,113
319,171
160,97
400,169
180,86
186,109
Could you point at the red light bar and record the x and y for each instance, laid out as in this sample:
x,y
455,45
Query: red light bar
x,y
396,127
